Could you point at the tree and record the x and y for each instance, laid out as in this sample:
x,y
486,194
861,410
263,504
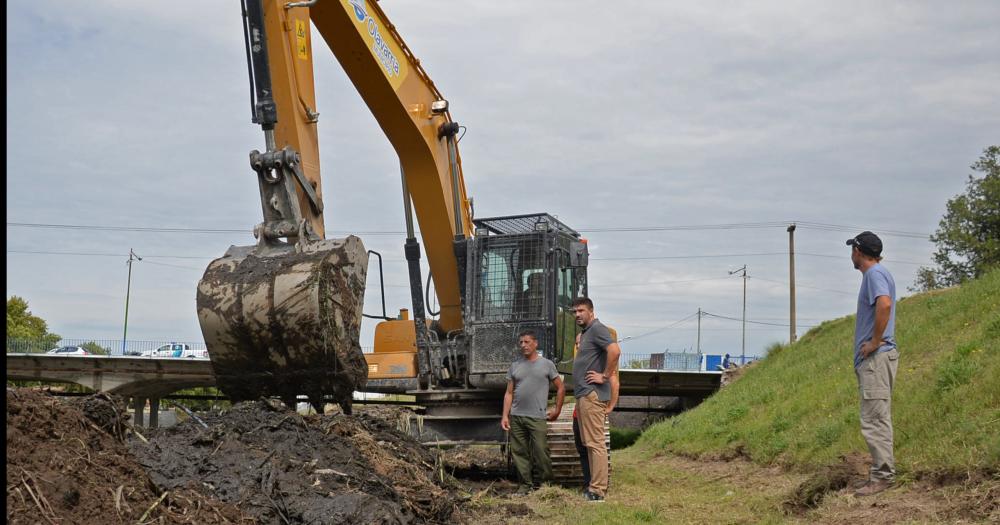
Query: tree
x,y
968,236
94,348
23,325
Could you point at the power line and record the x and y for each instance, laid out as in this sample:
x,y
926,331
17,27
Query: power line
x,y
741,320
726,255
661,257
91,254
124,228
622,229
174,265
658,282
802,285
841,227
675,323
394,260
845,257
91,227
730,226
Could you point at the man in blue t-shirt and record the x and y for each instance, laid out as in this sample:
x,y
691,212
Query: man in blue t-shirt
x,y
875,357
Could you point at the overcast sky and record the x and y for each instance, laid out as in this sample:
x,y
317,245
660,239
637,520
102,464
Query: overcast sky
x,y
610,115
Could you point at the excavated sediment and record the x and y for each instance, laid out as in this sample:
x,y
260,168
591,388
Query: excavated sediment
x,y
281,467
67,462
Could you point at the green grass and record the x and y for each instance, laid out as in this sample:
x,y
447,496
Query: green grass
x,y
646,488
623,437
799,406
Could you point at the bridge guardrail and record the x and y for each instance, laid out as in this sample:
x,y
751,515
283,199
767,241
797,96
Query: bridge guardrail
x,y
108,346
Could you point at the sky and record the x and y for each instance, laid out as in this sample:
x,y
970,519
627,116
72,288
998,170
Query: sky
x,y
681,139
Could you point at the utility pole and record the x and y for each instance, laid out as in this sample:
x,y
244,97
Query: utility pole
x,y
131,256
699,330
791,284
743,358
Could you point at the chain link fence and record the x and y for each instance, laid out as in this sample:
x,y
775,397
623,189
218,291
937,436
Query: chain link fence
x,y
661,361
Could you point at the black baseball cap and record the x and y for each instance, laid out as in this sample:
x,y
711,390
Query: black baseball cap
x,y
868,243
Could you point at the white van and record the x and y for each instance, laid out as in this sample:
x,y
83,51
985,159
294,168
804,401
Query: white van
x,y
176,350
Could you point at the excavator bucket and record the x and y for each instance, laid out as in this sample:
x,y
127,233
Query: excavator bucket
x,y
286,322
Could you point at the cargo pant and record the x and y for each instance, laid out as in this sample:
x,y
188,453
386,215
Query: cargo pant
x,y
876,375
591,415
529,447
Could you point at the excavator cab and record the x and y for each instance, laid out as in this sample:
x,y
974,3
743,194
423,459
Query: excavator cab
x,y
523,273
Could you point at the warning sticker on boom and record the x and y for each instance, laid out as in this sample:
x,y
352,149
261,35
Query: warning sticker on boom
x,y
301,39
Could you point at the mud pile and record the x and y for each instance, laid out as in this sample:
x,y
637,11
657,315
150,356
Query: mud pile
x,y
281,467
67,463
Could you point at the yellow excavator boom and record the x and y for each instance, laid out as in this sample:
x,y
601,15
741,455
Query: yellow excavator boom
x,y
415,118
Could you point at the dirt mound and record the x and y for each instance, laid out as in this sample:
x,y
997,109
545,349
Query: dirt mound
x,y
811,492
67,463
476,462
281,467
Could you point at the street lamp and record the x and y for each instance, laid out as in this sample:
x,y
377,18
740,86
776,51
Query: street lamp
x,y
131,257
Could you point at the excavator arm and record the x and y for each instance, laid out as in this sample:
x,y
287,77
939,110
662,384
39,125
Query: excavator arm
x,y
283,317
415,118
404,101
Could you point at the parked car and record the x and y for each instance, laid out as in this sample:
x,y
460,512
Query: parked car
x,y
68,350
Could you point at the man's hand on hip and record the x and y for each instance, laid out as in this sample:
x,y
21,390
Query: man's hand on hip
x,y
869,347
595,378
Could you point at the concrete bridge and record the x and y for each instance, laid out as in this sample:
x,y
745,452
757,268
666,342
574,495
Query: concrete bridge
x,y
693,384
141,378
149,379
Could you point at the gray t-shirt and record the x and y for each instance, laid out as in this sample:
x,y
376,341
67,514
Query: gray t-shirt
x,y
876,281
531,386
592,354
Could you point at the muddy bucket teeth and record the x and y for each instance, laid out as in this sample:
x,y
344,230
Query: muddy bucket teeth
x,y
285,322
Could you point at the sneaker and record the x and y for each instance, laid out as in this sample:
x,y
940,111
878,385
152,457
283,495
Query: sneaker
x,y
523,491
593,498
873,487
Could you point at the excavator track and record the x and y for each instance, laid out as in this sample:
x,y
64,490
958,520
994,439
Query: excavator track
x,y
566,468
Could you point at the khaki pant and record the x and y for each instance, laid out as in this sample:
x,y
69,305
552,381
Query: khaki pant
x,y
591,416
530,450
876,375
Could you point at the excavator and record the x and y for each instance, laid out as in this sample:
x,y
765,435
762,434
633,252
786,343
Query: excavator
x,y
282,317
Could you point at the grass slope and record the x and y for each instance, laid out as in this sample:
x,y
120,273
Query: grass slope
x,y
799,406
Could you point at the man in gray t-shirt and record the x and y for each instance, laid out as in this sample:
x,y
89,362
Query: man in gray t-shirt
x,y
524,414
594,369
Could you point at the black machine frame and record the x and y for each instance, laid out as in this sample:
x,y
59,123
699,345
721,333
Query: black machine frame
x,y
523,272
